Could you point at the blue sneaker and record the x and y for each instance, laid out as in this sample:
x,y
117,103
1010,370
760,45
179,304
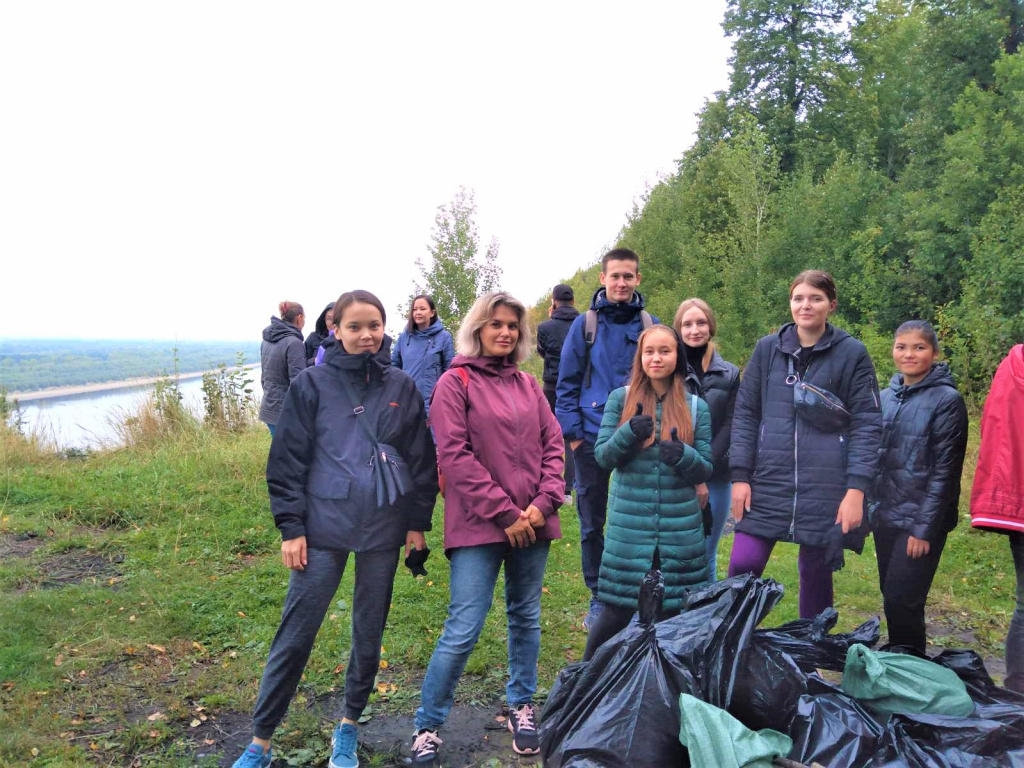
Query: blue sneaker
x,y
596,606
254,757
343,747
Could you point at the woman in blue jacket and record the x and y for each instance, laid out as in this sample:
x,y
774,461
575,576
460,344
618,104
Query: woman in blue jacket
x,y
424,350
325,501
799,475
915,500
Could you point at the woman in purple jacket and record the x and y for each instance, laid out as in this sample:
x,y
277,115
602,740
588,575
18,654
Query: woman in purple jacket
x,y
500,450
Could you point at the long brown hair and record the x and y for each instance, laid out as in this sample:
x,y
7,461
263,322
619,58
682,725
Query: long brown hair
x,y
675,409
709,313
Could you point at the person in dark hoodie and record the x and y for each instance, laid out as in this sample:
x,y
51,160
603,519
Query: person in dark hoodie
x,y
914,502
550,339
282,358
424,349
322,331
588,372
325,502
800,475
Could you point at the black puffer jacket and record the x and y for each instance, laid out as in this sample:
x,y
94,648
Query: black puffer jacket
x,y
282,358
318,336
923,446
550,338
718,389
318,473
798,473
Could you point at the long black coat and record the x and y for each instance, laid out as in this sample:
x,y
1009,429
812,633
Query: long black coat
x,y
282,358
923,446
718,389
318,473
797,472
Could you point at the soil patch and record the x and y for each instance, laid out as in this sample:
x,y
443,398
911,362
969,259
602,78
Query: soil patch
x,y
79,567
19,545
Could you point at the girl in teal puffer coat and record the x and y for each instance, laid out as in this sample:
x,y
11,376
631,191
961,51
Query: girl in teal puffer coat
x,y
656,439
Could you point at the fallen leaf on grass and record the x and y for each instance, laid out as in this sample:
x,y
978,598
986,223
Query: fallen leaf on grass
x,y
338,669
131,618
241,614
157,648
545,590
35,752
59,660
209,742
383,663
194,724
9,686
156,716
154,734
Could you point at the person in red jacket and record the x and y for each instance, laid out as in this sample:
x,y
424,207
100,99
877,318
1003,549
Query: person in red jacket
x,y
499,448
997,497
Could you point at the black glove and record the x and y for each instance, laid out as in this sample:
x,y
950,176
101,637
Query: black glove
x,y
414,562
671,450
707,518
834,548
641,425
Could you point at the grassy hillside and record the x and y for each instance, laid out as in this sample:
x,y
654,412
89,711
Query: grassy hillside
x,y
140,589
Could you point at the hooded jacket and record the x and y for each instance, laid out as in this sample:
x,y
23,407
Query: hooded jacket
x,y
924,439
550,339
424,355
718,388
319,335
997,496
282,357
580,405
500,450
319,477
798,473
652,505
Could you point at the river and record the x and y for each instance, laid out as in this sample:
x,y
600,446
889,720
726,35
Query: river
x,y
87,420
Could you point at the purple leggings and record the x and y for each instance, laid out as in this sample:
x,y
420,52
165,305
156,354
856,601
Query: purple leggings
x,y
750,555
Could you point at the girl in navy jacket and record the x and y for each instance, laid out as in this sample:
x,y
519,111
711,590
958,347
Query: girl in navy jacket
x,y
324,499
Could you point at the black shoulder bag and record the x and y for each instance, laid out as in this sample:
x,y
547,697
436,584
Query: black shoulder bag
x,y
391,474
816,406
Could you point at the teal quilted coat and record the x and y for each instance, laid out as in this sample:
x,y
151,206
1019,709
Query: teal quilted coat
x,y
651,505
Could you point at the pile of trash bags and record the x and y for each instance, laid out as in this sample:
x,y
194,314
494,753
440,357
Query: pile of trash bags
x,y
622,708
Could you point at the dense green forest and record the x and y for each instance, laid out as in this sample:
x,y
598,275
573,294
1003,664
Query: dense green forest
x,y
883,142
30,364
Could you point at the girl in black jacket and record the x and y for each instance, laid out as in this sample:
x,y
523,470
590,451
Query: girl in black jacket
x,y
801,477
325,501
915,499
716,381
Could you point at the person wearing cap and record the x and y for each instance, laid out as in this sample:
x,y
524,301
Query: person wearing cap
x,y
550,338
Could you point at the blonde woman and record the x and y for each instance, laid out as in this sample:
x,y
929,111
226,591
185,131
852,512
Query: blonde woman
x,y
500,450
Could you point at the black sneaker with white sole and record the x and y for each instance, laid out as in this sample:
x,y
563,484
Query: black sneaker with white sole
x,y
522,721
424,752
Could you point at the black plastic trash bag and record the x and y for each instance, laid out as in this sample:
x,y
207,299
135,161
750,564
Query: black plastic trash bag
x,y
809,644
993,736
832,729
622,707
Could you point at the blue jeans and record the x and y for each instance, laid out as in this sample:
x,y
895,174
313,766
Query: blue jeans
x,y
592,508
474,572
1015,637
720,499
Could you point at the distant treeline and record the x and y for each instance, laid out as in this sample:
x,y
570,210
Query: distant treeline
x,y
31,364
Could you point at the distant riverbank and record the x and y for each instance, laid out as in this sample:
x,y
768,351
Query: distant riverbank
x,y
84,389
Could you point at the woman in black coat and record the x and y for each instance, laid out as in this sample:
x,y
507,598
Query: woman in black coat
x,y
715,380
914,503
802,478
282,358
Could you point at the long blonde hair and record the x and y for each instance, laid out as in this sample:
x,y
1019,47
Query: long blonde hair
x,y
675,409
709,313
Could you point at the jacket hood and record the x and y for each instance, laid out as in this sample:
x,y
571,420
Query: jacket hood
x,y
489,366
431,330
789,341
336,357
600,301
279,330
938,376
321,321
565,313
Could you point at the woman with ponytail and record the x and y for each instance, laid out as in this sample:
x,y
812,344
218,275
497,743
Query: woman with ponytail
x,y
656,439
282,358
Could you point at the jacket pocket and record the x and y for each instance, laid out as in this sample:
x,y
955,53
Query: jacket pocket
x,y
327,486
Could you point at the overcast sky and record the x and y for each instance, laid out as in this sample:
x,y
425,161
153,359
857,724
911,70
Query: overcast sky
x,y
176,169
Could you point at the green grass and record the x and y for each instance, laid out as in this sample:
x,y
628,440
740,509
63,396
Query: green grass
x,y
176,623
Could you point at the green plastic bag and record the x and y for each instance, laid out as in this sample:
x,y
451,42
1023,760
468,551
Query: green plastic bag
x,y
716,739
897,683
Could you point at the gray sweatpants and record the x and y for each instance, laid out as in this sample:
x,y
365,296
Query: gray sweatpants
x,y
310,593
